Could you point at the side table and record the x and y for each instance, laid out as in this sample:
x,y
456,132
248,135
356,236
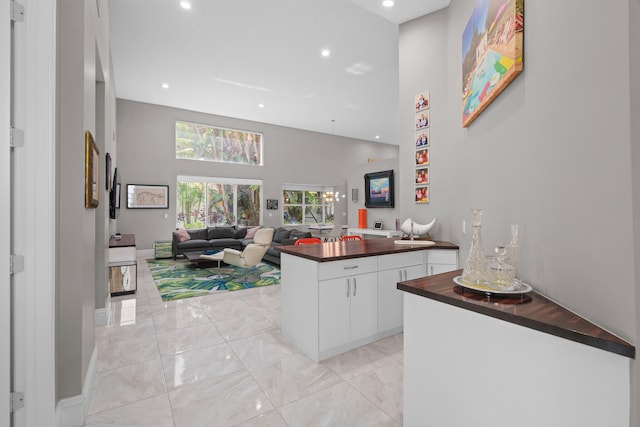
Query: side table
x,y
123,266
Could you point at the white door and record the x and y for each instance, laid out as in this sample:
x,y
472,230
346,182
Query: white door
x,y
33,215
5,209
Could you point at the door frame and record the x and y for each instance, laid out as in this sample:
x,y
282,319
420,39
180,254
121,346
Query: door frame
x,y
5,210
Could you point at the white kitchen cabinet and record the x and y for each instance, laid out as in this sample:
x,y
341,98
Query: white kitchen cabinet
x,y
391,270
348,310
441,261
335,299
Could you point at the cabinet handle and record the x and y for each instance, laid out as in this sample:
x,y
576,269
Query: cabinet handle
x,y
350,267
405,275
400,272
431,271
348,287
355,286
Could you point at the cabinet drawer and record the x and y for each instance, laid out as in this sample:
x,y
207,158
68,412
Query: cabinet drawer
x,y
443,256
347,267
405,259
127,253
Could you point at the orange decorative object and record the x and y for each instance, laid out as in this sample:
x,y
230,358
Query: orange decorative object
x,y
362,218
307,241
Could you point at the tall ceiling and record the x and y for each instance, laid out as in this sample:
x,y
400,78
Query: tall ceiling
x,y
261,60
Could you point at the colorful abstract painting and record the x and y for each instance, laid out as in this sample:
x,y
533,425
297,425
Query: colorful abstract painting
x,y
491,53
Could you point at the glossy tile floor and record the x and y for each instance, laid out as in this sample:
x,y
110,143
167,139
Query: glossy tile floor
x,y
220,361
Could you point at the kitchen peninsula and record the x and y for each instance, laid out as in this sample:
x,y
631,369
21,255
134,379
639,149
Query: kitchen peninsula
x,y
337,296
507,362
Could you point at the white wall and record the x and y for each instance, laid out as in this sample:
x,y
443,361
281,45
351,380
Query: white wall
x,y
552,153
634,57
82,233
146,155
388,216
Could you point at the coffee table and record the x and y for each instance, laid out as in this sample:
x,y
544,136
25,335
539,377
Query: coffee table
x,y
199,258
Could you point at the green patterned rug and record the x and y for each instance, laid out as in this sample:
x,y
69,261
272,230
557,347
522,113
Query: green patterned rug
x,y
177,279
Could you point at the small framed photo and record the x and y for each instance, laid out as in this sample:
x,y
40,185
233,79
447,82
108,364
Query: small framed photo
x,y
422,101
422,194
422,119
422,157
422,176
377,225
422,138
147,196
272,204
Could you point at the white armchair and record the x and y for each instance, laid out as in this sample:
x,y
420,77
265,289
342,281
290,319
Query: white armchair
x,y
252,253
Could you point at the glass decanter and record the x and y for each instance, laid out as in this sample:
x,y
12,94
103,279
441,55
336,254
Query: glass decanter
x,y
513,251
475,268
501,274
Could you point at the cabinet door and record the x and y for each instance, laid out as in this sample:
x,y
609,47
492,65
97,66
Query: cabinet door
x,y
364,306
334,313
390,299
441,268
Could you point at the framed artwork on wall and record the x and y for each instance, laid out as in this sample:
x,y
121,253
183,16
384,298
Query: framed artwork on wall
x,y
107,167
491,53
147,196
91,171
421,180
422,194
272,204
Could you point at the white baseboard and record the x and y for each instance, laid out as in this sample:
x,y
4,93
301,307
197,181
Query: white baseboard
x,y
102,314
72,411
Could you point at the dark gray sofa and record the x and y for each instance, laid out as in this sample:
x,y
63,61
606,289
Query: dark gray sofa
x,y
210,238
281,237
234,237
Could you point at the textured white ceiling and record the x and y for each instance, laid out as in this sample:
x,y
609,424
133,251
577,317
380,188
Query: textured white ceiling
x,y
226,57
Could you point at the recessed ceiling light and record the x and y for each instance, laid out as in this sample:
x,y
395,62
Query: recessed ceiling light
x,y
185,5
377,136
388,3
165,86
325,52
260,105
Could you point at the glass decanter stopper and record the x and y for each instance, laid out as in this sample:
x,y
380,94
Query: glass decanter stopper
x,y
513,251
475,268
501,273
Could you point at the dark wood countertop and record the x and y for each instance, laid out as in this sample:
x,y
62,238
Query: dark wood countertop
x,y
334,251
535,312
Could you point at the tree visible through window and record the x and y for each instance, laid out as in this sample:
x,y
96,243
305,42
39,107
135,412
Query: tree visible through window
x,y
308,204
202,142
207,202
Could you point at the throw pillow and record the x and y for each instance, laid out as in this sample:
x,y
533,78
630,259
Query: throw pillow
x,y
183,235
280,234
251,232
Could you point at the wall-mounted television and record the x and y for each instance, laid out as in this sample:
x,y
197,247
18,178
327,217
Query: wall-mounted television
x,y
378,189
114,196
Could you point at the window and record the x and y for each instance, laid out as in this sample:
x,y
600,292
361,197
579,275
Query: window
x,y
305,204
207,202
202,142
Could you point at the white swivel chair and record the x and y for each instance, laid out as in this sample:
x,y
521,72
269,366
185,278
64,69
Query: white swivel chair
x,y
252,253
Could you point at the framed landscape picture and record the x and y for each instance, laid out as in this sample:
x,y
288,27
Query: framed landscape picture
x,y
491,53
147,196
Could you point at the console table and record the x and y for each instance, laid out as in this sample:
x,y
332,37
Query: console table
x,y
374,232
122,265
337,296
476,360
